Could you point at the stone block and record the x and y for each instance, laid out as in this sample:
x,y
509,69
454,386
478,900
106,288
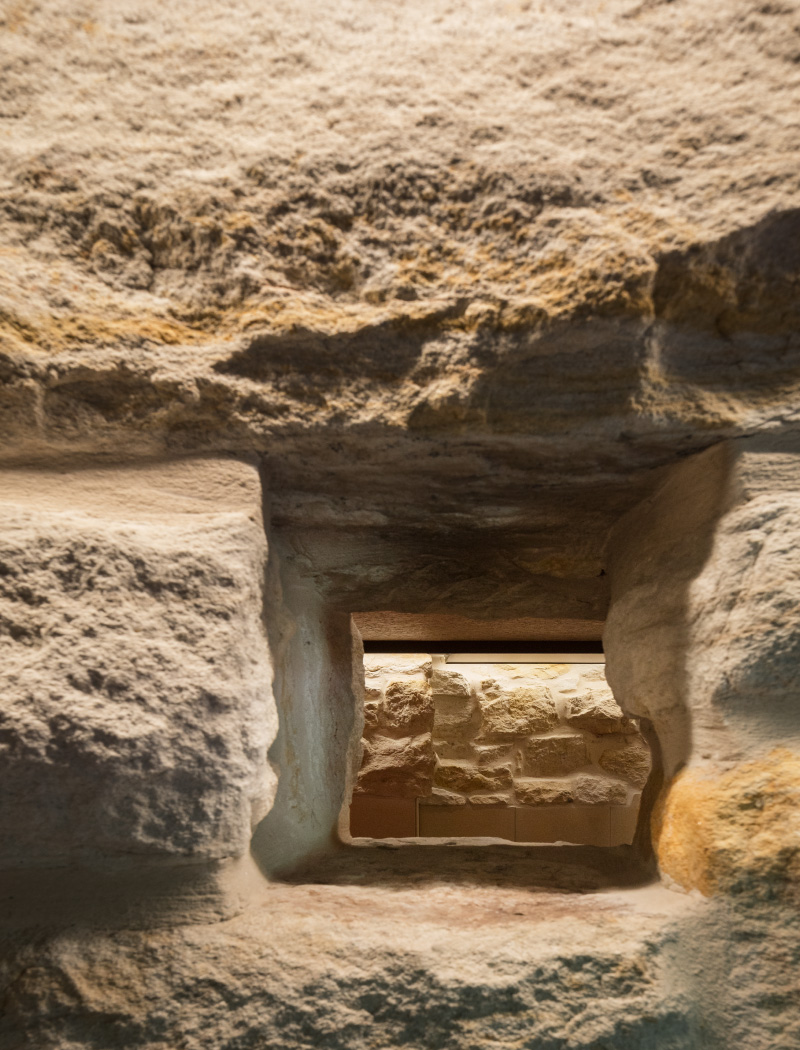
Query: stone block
x,y
489,800
595,711
455,718
553,756
594,790
135,675
408,706
449,683
456,777
402,768
517,712
493,754
536,792
631,762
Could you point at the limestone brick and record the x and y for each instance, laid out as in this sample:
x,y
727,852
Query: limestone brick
x,y
517,712
456,718
596,790
408,706
630,762
539,792
402,768
449,683
458,777
595,710
489,800
551,756
493,754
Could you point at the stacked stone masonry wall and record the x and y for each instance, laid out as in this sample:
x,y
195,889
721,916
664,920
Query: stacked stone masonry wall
x,y
497,735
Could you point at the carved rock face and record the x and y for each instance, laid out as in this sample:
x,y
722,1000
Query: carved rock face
x,y
397,768
517,712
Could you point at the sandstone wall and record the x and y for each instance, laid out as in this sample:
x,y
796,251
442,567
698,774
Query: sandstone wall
x,y
136,680
497,735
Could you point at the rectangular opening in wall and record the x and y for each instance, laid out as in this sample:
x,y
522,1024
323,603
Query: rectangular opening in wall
x,y
519,742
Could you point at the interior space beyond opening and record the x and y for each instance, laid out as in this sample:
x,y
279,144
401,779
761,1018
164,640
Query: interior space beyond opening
x,y
525,745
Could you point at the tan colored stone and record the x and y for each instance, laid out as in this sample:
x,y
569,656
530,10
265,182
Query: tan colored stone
x,y
536,792
458,777
631,762
517,712
489,800
553,756
493,754
455,718
593,790
529,672
408,706
737,832
449,683
372,709
399,768
596,711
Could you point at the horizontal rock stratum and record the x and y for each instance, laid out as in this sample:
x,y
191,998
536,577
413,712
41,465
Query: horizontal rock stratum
x,y
482,314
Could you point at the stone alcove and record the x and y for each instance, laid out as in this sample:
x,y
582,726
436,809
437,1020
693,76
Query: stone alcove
x,y
520,747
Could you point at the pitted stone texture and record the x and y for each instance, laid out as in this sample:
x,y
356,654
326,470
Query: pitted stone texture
x,y
450,683
408,706
594,790
467,779
553,756
630,762
397,768
596,711
137,708
362,963
539,792
456,719
516,712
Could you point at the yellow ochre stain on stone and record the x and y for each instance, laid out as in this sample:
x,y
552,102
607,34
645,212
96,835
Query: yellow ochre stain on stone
x,y
733,832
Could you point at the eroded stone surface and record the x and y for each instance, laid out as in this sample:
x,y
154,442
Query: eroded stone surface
x,y
593,790
136,702
630,762
536,791
408,706
467,779
516,712
396,767
553,756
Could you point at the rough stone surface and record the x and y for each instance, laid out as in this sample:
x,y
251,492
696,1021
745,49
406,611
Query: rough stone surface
x,y
517,712
594,790
539,792
136,702
398,768
450,683
467,779
408,706
631,762
455,719
489,800
478,283
596,711
715,614
553,756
